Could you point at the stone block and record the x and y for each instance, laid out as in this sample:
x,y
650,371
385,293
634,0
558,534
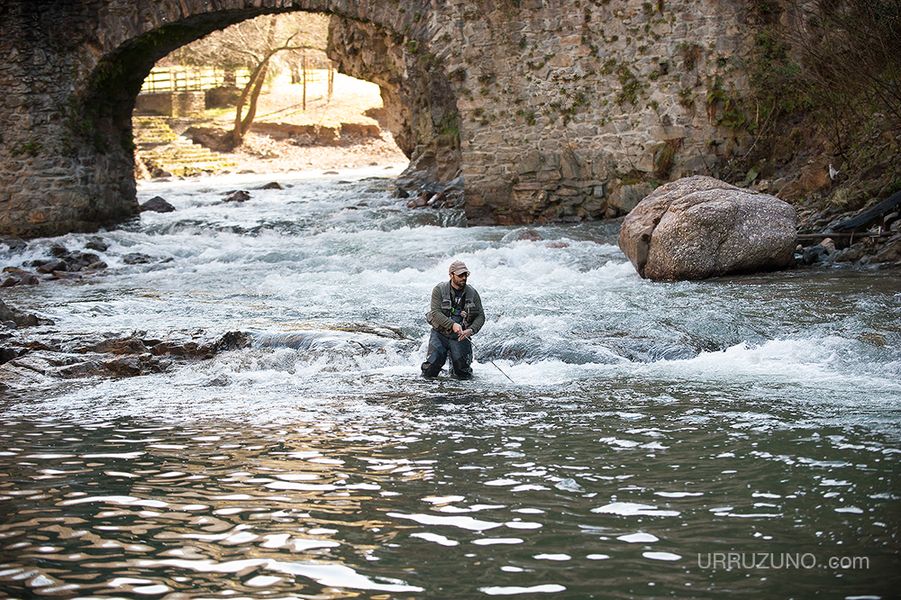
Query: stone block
x,y
567,192
627,197
561,61
570,166
548,175
529,186
671,132
530,162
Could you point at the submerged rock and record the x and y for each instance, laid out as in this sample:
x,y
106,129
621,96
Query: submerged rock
x,y
813,254
272,185
51,266
88,356
432,194
136,344
233,340
136,258
699,227
66,261
523,234
129,345
97,243
14,244
131,366
157,204
16,276
7,354
238,196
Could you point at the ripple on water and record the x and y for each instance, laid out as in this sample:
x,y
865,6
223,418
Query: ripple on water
x,y
646,421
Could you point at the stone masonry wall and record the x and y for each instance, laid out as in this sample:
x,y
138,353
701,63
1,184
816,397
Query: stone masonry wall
x,y
420,103
553,110
51,179
573,113
171,104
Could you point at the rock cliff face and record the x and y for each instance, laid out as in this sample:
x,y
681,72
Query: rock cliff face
x,y
549,110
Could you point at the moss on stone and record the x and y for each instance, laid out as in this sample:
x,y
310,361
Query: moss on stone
x,y
725,108
30,148
630,86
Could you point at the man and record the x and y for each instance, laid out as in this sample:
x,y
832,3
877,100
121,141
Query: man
x,y
455,315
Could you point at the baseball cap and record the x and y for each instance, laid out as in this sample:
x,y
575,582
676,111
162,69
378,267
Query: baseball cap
x,y
458,267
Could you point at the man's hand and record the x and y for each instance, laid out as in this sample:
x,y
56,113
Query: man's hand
x,y
457,328
465,334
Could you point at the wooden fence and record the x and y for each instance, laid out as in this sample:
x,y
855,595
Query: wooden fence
x,y
181,79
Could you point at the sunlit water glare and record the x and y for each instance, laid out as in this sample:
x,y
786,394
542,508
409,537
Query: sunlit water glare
x,y
648,427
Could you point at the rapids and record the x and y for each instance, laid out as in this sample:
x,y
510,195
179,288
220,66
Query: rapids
x,y
650,429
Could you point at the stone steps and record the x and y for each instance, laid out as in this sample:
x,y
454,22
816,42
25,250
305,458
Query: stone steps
x,y
149,131
163,151
183,157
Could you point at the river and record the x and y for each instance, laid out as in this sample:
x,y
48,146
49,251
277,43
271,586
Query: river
x,y
693,439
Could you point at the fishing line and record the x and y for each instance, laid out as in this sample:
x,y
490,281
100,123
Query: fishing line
x,y
495,366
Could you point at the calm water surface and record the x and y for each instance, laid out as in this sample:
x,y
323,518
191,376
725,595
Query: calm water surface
x,y
736,436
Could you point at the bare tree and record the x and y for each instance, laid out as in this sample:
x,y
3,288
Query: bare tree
x,y
254,44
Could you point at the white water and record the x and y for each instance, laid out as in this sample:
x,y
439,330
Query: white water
x,y
566,312
647,423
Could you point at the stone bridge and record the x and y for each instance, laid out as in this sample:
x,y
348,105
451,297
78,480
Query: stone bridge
x,y
544,109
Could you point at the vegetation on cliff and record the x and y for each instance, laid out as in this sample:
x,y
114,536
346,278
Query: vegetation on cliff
x,y
825,107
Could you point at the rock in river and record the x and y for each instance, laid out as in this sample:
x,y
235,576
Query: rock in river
x,y
13,317
699,227
238,196
157,204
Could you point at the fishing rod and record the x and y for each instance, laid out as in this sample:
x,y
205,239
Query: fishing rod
x,y
495,366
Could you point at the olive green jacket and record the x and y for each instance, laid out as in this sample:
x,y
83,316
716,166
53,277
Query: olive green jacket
x,y
440,309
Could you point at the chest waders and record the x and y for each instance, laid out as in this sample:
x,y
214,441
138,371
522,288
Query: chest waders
x,y
441,344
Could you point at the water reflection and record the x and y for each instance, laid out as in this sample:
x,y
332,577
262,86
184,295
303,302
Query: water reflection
x,y
580,502
648,425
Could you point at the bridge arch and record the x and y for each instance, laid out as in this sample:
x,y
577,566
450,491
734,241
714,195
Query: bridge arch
x,y
89,148
549,110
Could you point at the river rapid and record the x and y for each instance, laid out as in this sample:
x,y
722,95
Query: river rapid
x,y
734,436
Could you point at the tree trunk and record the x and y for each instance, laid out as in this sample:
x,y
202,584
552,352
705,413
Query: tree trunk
x,y
236,136
252,89
254,96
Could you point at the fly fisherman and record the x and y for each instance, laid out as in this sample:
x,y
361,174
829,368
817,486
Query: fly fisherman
x,y
455,315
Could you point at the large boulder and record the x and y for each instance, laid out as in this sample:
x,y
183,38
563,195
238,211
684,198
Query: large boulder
x,y
700,227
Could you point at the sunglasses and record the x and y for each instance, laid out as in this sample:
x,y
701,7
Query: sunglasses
x,y
462,276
